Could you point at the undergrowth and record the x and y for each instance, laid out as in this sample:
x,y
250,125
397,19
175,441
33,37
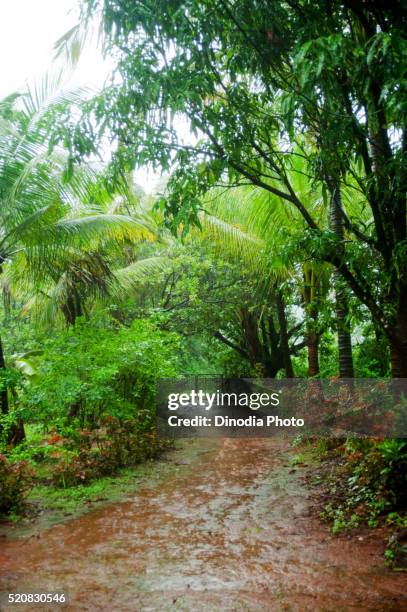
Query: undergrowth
x,y
366,484
54,461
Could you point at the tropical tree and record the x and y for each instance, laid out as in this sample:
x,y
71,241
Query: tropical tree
x,y
43,218
341,293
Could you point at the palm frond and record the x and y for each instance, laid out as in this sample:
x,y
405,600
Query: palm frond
x,y
140,272
231,239
102,227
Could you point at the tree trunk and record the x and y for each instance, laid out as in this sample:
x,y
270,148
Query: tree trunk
x,y
275,360
341,296
312,335
6,302
398,358
72,308
285,348
313,360
344,336
398,340
16,433
251,335
4,405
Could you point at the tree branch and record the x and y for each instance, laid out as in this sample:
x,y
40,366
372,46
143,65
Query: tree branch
x,y
219,336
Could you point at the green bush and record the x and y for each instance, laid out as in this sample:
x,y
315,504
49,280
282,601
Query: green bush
x,y
370,484
379,471
16,481
98,369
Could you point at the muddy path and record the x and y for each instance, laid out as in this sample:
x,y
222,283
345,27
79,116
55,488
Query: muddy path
x,y
230,529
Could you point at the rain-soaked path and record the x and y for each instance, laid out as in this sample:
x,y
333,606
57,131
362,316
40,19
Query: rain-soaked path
x,y
232,529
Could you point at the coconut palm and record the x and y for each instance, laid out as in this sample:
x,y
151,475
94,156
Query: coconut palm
x,y
341,293
48,223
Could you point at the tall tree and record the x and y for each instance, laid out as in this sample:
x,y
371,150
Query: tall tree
x,y
341,294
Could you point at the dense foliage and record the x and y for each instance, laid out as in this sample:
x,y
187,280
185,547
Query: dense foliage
x,y
97,370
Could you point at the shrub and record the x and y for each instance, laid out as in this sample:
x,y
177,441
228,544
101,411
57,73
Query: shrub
x,y
105,450
370,484
379,469
16,481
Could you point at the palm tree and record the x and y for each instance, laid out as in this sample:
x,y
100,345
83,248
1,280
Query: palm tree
x,y
341,294
43,218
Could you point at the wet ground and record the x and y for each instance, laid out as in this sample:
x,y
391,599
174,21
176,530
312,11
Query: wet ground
x,y
231,529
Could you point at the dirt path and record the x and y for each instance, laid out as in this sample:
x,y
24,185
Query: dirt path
x,y
230,530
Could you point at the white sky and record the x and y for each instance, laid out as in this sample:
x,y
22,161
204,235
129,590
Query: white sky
x,y
28,31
